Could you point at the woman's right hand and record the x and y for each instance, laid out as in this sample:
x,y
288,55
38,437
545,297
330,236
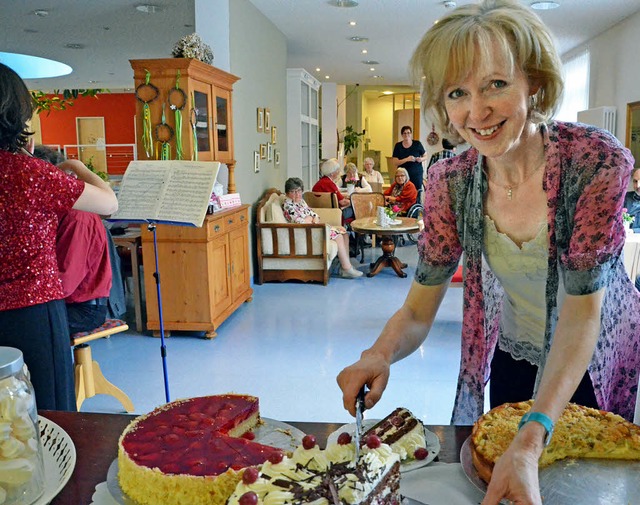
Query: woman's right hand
x,y
371,369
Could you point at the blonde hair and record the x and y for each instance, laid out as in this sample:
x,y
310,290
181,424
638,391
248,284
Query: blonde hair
x,y
464,40
351,167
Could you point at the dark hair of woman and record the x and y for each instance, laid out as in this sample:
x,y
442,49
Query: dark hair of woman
x,y
16,108
406,128
292,184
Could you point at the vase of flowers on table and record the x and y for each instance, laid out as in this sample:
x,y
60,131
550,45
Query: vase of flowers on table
x,y
627,220
351,185
392,212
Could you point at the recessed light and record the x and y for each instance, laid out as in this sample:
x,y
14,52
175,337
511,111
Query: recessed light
x,y
41,13
327,76
317,69
373,69
364,51
449,4
371,62
75,46
357,38
387,92
378,77
352,23
30,30
91,81
544,6
343,3
148,8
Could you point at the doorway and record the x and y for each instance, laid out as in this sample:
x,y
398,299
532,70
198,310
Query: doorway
x,y
91,142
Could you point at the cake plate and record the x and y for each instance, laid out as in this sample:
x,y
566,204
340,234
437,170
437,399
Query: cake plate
x,y
433,443
270,432
59,459
594,481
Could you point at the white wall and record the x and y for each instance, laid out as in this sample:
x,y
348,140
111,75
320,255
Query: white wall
x,y
615,72
258,56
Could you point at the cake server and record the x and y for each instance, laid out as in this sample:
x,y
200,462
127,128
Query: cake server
x,y
359,411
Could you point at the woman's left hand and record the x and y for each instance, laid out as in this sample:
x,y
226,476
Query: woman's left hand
x,y
515,475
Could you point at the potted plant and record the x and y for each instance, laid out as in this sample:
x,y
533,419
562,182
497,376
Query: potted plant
x,y
351,139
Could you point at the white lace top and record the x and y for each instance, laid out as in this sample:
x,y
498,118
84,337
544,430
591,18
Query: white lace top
x,y
522,271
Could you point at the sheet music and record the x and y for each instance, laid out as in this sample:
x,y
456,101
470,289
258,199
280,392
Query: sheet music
x,y
171,191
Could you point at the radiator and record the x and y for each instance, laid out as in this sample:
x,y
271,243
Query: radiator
x,y
602,117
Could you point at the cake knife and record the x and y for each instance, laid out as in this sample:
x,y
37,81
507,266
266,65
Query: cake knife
x,y
359,411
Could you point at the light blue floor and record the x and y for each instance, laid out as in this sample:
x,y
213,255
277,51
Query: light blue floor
x,y
287,345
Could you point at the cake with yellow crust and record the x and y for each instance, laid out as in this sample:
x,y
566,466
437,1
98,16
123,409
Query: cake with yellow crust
x,y
581,432
191,452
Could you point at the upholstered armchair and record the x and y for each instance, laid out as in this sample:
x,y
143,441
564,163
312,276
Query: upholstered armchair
x,y
289,251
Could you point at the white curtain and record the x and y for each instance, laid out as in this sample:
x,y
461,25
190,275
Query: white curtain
x,y
576,87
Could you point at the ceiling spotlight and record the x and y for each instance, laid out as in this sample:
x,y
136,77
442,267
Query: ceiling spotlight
x,y
544,6
75,46
364,51
148,8
327,76
449,4
357,38
378,77
371,62
41,13
343,3
352,23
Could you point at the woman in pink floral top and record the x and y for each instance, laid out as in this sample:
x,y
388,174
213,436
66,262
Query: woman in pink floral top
x,y
533,210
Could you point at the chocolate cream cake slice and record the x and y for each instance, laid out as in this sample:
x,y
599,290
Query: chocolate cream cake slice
x,y
403,432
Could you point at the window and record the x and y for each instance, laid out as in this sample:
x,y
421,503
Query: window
x,y
576,87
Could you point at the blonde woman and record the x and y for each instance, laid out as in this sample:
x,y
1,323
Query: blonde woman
x,y
535,205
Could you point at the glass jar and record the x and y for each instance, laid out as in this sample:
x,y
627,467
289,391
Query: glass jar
x,y
21,455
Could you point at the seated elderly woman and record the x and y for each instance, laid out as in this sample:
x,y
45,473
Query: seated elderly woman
x,y
351,176
370,174
296,210
402,192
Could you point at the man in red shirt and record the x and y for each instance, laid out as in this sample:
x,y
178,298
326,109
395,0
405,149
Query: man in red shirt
x,y
85,269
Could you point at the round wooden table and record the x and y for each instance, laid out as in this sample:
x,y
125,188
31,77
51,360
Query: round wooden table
x,y
388,258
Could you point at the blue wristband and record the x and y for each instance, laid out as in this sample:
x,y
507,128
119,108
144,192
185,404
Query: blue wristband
x,y
540,418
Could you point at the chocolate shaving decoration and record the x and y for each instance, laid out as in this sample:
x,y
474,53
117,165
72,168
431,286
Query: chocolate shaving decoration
x,y
147,92
177,99
332,489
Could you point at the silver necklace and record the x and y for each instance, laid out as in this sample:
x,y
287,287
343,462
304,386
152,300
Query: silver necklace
x,y
511,187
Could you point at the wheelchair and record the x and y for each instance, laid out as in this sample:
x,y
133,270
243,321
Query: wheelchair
x,y
416,211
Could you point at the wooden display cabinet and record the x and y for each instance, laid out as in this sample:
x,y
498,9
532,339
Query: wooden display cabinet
x,y
209,107
204,272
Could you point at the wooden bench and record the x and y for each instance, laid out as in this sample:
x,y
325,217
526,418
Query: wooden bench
x,y
88,377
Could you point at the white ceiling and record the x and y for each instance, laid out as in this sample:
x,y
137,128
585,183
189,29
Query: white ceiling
x,y
317,33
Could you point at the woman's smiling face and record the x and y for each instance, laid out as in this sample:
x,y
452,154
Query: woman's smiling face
x,y
489,107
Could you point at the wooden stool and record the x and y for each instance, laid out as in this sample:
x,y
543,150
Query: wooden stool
x,y
88,376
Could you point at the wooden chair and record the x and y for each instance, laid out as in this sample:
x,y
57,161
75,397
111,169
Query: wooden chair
x,y
365,205
376,187
88,377
322,200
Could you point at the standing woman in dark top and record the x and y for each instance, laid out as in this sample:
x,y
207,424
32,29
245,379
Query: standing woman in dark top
x,y
409,154
33,194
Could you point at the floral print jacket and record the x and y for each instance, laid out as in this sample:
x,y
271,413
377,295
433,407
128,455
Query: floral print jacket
x,y
586,176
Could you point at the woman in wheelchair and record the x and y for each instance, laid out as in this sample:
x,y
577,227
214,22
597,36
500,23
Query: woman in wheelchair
x,y
402,192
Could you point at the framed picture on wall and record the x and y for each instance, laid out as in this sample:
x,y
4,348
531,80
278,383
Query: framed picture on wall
x,y
263,151
260,119
256,161
267,120
269,152
274,135
276,156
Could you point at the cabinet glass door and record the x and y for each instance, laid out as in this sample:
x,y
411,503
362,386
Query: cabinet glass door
x,y
202,99
223,137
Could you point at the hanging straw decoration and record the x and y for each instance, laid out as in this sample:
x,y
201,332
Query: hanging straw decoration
x,y
164,134
177,100
147,93
193,119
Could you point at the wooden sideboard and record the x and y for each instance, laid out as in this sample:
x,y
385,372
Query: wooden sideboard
x,y
204,272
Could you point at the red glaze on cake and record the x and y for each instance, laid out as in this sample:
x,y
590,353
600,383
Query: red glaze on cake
x,y
191,445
